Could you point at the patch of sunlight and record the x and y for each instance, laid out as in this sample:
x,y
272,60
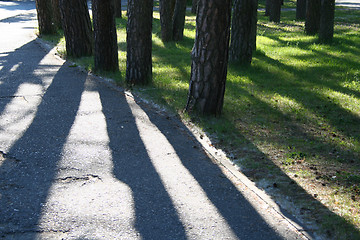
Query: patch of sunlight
x,y
236,78
15,67
100,197
347,102
353,82
289,106
121,35
262,41
157,41
19,113
286,104
177,179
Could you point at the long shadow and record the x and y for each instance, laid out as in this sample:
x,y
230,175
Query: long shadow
x,y
316,103
28,172
242,218
156,217
19,18
14,66
222,193
18,5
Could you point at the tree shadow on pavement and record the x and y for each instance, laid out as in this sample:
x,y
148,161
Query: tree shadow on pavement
x,y
155,215
15,65
28,172
154,205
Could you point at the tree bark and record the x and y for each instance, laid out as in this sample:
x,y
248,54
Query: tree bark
x,y
105,47
312,21
45,17
210,57
166,9
267,7
117,8
179,20
77,27
56,14
139,42
326,31
194,6
243,31
301,9
275,11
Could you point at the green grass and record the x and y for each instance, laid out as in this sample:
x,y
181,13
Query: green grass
x,y
291,118
287,4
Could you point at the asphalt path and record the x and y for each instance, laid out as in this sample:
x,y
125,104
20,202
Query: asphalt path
x,y
82,159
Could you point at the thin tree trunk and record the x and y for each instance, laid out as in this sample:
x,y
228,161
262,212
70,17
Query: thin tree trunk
x,y
267,7
45,17
139,42
243,31
326,31
179,20
210,57
194,6
105,47
77,27
117,8
312,22
301,9
275,11
56,14
166,9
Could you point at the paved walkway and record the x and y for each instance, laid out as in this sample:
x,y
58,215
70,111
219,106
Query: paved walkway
x,y
82,160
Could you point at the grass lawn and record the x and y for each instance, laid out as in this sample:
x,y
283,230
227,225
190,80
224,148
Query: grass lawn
x,y
291,120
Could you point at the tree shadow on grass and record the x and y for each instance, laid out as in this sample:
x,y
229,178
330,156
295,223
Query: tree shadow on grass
x,y
217,190
301,89
292,133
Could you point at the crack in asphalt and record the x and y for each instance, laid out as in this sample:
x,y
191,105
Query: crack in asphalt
x,y
87,177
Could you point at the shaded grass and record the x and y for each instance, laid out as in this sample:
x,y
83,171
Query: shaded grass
x,y
290,120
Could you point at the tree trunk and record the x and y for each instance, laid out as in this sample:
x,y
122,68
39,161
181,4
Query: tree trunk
x,y
45,17
166,19
210,57
56,14
179,20
326,31
77,27
194,6
267,7
243,31
139,42
275,11
117,8
300,9
105,47
312,21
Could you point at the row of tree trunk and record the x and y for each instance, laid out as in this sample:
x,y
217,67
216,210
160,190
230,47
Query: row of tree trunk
x,y
172,19
210,53
209,56
318,16
320,19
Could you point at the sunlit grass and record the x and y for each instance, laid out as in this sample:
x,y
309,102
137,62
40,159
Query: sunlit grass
x,y
298,98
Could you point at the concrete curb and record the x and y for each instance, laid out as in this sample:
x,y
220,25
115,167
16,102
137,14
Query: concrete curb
x,y
258,198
